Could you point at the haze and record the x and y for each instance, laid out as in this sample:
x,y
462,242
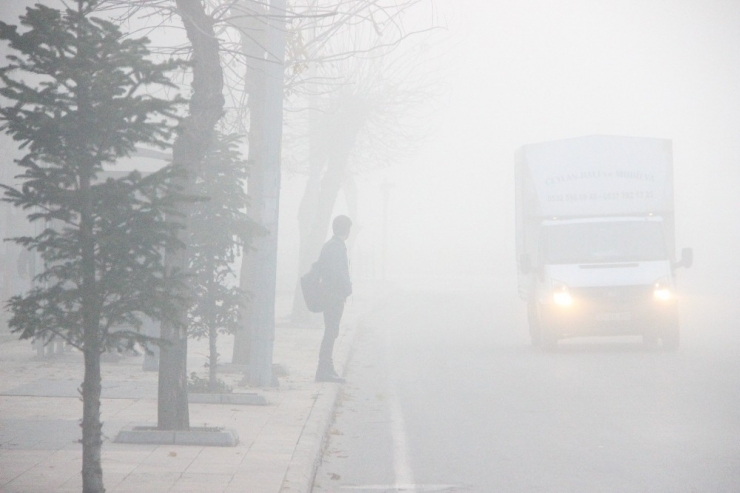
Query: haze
x,y
524,72
444,390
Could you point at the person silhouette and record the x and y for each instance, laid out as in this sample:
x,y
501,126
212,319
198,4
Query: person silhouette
x,y
334,267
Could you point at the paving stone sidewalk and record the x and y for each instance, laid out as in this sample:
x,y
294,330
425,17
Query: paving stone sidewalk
x,y
279,446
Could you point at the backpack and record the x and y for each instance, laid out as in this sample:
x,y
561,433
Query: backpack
x,y
314,290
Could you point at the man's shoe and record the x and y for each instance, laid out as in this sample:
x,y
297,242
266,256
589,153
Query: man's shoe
x,y
330,378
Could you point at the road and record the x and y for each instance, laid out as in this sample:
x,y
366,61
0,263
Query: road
x,y
445,394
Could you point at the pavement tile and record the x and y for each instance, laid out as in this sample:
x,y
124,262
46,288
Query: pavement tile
x,y
141,486
39,478
39,426
204,479
214,468
19,462
191,487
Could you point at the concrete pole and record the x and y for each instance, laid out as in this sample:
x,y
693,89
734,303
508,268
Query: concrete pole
x,y
386,188
263,303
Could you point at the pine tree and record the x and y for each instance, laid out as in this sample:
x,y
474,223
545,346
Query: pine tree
x,y
102,240
219,230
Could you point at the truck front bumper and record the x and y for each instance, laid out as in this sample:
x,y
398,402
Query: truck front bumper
x,y
609,311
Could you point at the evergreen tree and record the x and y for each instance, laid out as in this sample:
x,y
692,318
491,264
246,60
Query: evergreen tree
x,y
219,230
102,239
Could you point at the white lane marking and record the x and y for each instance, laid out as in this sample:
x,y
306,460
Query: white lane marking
x,y
404,487
401,466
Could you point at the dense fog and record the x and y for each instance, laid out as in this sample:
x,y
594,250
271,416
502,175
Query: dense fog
x,y
517,73
443,391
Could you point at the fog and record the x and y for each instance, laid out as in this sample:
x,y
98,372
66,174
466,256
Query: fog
x,y
443,391
524,72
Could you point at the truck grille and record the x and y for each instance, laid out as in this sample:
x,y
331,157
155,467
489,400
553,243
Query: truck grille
x,y
628,295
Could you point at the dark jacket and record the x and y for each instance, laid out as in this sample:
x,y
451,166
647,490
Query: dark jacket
x,y
334,267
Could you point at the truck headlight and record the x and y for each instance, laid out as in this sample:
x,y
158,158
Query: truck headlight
x,y
561,296
662,291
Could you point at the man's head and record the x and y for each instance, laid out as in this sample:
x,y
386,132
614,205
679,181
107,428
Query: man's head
x,y
341,226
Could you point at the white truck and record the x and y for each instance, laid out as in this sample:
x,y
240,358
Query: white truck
x,y
595,239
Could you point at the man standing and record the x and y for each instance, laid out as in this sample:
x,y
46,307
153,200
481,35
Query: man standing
x,y
334,268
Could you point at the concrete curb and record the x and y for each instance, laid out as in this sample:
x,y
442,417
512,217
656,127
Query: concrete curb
x,y
306,457
308,451
307,454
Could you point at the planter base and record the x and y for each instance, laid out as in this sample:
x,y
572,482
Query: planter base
x,y
246,399
203,436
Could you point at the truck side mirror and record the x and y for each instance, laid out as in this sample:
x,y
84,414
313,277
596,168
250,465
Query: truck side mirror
x,y
687,258
525,263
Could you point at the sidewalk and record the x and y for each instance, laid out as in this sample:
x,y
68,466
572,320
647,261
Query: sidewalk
x,y
279,444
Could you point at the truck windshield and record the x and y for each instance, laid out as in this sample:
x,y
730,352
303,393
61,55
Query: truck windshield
x,y
595,242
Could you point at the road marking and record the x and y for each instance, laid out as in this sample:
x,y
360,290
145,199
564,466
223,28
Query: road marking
x,y
404,475
404,487
401,467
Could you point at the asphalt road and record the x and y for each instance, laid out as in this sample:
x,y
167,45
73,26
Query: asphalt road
x,y
445,394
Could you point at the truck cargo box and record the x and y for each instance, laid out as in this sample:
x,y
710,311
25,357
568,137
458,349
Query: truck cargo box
x,y
595,176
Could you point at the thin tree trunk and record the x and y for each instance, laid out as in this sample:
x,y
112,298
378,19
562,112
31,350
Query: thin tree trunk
x,y
92,442
253,46
307,210
315,218
262,312
212,345
330,186
206,108
306,255
318,201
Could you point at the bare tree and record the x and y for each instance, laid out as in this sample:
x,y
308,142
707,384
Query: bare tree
x,y
363,113
314,62
329,45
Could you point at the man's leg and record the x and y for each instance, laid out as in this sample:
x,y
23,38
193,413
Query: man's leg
x,y
332,317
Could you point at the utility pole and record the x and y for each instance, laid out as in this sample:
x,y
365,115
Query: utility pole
x,y
386,188
262,312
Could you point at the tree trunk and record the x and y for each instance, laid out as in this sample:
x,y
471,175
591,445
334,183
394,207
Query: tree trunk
x,y
315,218
92,442
212,356
261,316
253,47
306,255
206,109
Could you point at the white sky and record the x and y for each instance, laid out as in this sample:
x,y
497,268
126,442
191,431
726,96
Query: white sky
x,y
523,71
534,70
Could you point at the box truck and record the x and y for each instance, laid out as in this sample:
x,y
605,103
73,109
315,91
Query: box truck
x,y
595,239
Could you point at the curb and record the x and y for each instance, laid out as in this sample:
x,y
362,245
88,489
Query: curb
x,y
306,458
307,454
